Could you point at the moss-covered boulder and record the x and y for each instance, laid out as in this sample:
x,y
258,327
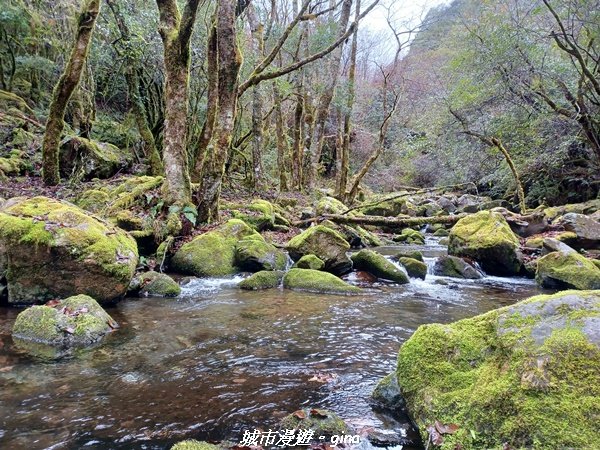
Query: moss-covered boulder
x,y
387,208
326,244
309,262
85,159
523,376
317,281
486,237
212,254
330,205
410,236
379,266
192,444
415,254
567,269
586,229
155,284
414,267
77,321
265,279
254,254
93,200
259,214
53,249
322,422
452,266
387,393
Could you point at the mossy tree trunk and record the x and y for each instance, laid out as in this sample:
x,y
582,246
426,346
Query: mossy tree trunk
x,y
256,29
63,91
229,62
282,144
176,31
133,89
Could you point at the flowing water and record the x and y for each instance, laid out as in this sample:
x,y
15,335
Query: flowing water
x,y
219,360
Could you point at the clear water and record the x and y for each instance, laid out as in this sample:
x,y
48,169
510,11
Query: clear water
x,y
219,360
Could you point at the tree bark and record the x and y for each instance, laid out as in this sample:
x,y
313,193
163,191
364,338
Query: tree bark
x,y
257,130
63,91
176,31
282,145
229,60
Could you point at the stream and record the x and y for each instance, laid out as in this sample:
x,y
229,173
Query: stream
x,y
218,360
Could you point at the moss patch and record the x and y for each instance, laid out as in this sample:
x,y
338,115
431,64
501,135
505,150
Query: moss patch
x,y
379,266
316,281
154,284
265,279
567,269
255,254
414,268
326,244
192,444
309,262
527,375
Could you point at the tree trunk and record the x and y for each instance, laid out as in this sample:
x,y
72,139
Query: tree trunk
x,y
229,60
257,130
318,130
282,145
67,83
176,31
344,157
133,88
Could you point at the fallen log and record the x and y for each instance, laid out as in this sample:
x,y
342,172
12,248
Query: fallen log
x,y
391,222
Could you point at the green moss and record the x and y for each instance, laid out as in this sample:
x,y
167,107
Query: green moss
x,y
325,243
410,236
93,200
310,262
259,214
416,254
441,232
526,375
322,422
156,284
330,205
132,189
486,238
192,444
379,266
265,279
572,270
414,268
212,254
317,281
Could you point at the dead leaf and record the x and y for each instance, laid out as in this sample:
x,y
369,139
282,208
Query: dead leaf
x,y
6,369
70,330
239,380
300,414
434,436
52,303
320,413
323,377
450,428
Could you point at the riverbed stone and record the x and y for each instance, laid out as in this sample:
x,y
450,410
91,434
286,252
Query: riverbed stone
x,y
414,267
379,266
77,321
486,237
309,262
212,254
410,236
326,244
526,374
192,444
567,270
317,281
254,254
265,279
586,229
321,421
387,393
86,159
155,284
452,266
53,249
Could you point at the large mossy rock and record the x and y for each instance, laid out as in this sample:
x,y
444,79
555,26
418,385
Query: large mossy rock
x,y
586,229
317,281
567,269
77,321
309,262
526,376
486,237
192,444
452,266
414,267
265,279
85,159
379,266
51,249
410,236
212,254
254,254
326,244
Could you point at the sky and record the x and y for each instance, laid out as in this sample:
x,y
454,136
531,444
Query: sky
x,y
403,13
